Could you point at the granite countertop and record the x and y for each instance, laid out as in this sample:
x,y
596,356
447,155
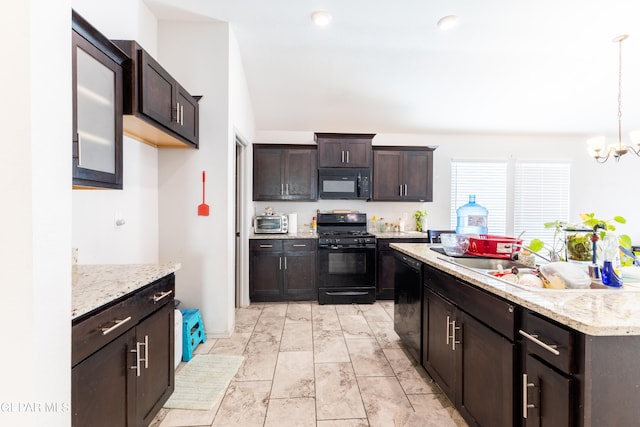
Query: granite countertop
x,y
96,285
597,312
300,235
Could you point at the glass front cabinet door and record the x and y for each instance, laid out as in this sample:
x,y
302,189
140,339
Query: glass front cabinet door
x,y
97,108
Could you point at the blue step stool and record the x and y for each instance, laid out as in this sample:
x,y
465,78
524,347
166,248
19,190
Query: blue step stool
x,y
192,332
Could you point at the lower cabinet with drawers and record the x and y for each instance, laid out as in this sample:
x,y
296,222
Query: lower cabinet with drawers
x,y
123,359
572,379
282,270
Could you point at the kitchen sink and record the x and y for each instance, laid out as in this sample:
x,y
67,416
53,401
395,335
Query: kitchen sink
x,y
488,263
491,266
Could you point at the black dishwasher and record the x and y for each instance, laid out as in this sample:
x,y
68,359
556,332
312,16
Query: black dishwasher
x,y
407,308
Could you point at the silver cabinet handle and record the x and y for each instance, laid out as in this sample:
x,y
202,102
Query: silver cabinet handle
x,y
454,328
137,365
342,156
286,191
448,331
279,263
400,190
182,115
282,189
285,263
347,156
299,246
552,348
405,190
117,324
79,151
146,352
177,112
139,359
162,295
525,388
266,246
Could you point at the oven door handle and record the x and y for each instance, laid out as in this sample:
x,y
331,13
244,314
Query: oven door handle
x,y
335,247
347,293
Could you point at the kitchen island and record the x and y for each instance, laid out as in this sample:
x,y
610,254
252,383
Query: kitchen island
x,y
506,355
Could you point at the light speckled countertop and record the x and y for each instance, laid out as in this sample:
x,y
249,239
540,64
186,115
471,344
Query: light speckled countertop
x,y
96,285
284,236
598,312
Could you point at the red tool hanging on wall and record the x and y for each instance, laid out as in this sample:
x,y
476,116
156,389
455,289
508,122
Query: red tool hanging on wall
x,y
203,209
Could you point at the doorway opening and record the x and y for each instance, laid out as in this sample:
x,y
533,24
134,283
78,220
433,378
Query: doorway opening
x,y
240,185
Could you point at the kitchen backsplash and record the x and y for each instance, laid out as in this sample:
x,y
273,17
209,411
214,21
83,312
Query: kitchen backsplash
x,y
390,212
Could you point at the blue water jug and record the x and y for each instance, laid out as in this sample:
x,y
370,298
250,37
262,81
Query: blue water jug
x,y
472,218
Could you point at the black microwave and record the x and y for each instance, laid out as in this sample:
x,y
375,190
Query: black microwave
x,y
341,183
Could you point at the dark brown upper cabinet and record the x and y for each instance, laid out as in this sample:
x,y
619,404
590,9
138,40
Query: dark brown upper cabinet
x,y
97,69
158,110
285,172
403,174
344,150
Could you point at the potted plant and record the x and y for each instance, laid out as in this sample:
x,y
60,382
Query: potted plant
x,y
421,220
579,239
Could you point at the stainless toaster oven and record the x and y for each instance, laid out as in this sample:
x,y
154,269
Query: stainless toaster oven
x,y
274,223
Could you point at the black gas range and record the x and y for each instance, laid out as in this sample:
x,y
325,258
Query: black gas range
x,y
346,259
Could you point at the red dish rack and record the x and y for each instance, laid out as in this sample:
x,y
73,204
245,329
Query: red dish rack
x,y
491,246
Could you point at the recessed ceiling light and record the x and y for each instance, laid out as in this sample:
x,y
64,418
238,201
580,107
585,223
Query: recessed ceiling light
x,y
321,18
447,22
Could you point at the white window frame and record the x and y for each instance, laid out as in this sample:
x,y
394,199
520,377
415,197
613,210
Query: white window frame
x,y
521,195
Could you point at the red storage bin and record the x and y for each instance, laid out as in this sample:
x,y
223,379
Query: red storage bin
x,y
487,245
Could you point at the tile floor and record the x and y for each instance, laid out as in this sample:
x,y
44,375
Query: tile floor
x,y
322,366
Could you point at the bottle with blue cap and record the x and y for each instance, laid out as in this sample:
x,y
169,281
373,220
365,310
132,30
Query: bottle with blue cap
x,y
472,218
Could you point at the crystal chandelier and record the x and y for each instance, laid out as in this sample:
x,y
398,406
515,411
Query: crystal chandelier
x,y
597,146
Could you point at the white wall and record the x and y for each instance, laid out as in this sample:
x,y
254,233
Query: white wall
x,y
204,245
35,183
98,239
605,189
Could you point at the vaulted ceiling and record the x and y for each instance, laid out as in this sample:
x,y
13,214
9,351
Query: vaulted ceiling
x,y
509,66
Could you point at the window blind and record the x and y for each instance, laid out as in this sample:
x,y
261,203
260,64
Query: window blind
x,y
541,195
488,181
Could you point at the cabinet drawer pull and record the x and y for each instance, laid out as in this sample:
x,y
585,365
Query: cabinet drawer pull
x,y
162,295
266,246
552,348
342,157
178,112
299,246
117,324
525,386
405,190
400,190
182,115
448,332
347,156
285,263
